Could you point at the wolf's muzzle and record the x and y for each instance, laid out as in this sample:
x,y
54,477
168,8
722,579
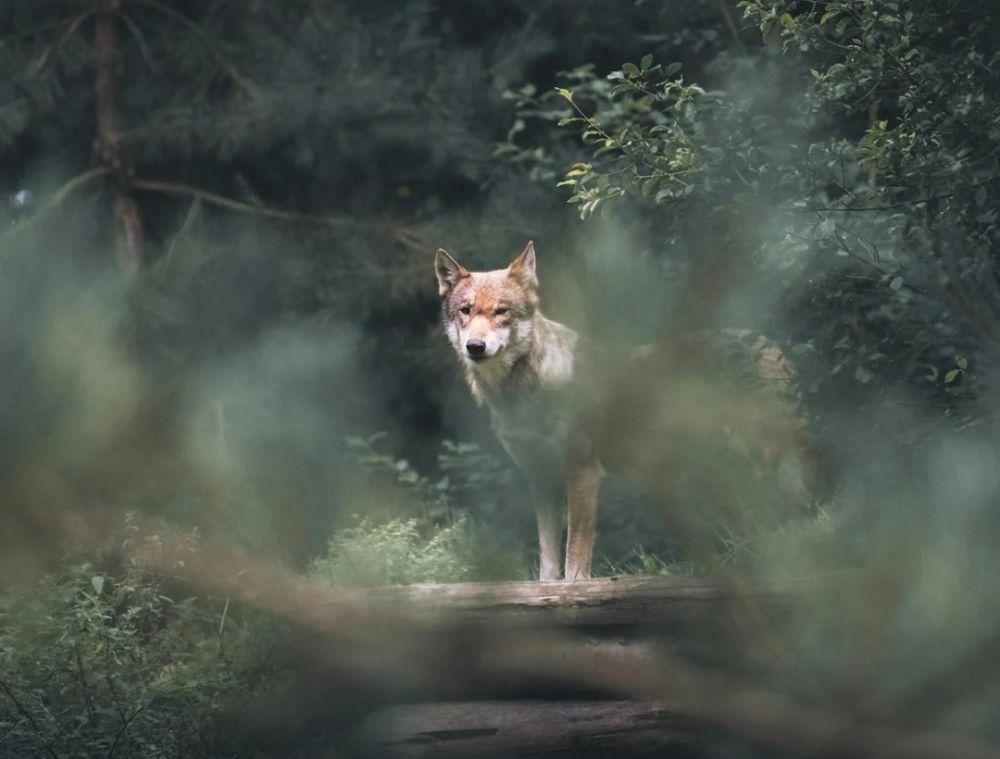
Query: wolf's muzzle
x,y
476,349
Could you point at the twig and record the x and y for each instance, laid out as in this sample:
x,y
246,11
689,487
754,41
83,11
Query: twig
x,y
189,220
225,611
121,732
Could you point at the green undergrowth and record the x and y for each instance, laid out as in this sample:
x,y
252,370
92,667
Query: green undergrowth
x,y
113,657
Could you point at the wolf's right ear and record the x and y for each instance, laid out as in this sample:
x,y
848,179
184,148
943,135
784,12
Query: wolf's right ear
x,y
448,270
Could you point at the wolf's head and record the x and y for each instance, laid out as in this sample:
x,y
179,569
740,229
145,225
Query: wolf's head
x,y
489,315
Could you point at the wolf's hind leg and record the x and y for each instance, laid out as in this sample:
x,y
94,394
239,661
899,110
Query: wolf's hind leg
x,y
582,488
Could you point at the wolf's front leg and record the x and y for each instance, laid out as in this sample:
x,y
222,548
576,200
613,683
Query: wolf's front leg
x,y
582,487
549,511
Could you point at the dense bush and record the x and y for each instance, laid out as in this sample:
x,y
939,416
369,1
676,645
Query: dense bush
x,y
111,658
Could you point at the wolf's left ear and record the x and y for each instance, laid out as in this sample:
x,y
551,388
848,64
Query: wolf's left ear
x,y
522,268
448,270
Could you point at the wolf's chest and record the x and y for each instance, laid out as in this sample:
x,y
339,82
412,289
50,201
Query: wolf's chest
x,y
533,430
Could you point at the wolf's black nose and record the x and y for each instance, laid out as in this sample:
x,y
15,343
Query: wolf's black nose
x,y
476,348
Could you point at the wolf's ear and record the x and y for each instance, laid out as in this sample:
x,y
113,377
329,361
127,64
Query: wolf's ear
x,y
448,270
522,268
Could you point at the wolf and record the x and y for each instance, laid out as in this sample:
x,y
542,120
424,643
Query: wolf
x,y
561,419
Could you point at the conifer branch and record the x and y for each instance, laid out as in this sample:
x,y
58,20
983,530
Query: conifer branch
x,y
245,82
46,55
140,41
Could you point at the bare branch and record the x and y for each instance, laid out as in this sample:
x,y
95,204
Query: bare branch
x,y
173,188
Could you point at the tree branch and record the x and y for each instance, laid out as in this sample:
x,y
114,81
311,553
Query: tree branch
x,y
173,188
244,82
121,732
46,55
399,234
59,196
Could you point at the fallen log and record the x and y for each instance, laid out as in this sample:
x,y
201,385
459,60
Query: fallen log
x,y
631,600
531,728
369,649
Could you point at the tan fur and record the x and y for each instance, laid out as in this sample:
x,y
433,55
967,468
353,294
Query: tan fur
x,y
634,412
522,381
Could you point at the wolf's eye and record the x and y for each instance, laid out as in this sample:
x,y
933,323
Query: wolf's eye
x,y
500,311
465,310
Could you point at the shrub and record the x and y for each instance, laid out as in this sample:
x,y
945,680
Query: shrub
x,y
101,660
397,551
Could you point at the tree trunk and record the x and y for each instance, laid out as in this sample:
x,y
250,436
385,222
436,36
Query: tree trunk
x,y
107,145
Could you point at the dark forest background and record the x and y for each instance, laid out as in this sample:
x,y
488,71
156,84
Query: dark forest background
x,y
219,319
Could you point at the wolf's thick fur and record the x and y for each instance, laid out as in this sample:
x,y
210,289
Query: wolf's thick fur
x,y
527,370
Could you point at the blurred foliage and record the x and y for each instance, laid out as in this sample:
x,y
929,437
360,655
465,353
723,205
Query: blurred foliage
x,y
845,168
98,659
823,173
